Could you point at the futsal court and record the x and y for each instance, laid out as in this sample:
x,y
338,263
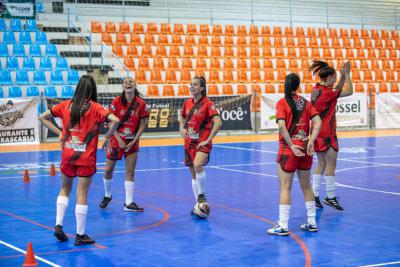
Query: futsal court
x,y
243,191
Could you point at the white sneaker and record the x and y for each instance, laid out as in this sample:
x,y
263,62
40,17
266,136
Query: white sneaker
x,y
309,227
278,230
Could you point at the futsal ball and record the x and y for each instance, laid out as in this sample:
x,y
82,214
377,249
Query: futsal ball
x,y
202,210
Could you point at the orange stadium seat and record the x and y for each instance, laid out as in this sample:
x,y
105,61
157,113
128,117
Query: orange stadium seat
x,y
241,41
313,42
339,53
201,64
158,64
228,64
322,33
308,88
354,34
212,90
228,52
307,78
269,76
281,76
266,42
292,52
174,51
96,27
117,50
333,33
384,34
227,89
170,77
214,77
300,32
363,65
120,39
267,64
140,76
293,65
344,33
289,32
359,88
255,76
390,77
368,77
161,51
229,30
189,40
311,32
301,42
383,88
149,39
124,27
241,52
191,29
278,42
277,31
368,44
155,77
256,88
183,90
173,64
151,28
138,27
269,88
335,43
386,65
215,52
106,38
350,54
165,28
324,42
163,39
378,44
327,53
176,39
394,88
185,76
203,40
364,34
216,40
379,76
290,42
178,29
111,27
144,63
315,53
228,76
132,51
242,64
280,64
129,63
382,54
204,29
217,29
355,76
255,64
254,31
281,88
279,52
152,91
228,41
241,30
265,31
357,44
254,52
135,39
188,52
242,89
371,54
347,43
375,65
361,54
215,64
147,51
168,90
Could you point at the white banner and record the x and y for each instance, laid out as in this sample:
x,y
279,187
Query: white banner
x,y
19,121
387,110
350,111
20,9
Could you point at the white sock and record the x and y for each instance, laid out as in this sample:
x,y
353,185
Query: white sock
x,y
195,189
330,186
107,187
62,204
316,184
310,207
81,214
129,186
201,182
284,211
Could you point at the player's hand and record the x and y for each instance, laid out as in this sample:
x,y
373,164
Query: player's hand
x,y
183,132
346,68
121,143
130,145
297,150
61,140
203,143
310,148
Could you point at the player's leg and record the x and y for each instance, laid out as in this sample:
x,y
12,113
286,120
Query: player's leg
x,y
81,211
304,180
317,177
200,159
331,159
62,204
130,166
108,180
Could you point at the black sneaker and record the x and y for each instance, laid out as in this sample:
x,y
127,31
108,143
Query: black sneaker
x,y
192,212
201,198
105,201
333,203
309,227
59,233
83,240
318,203
133,207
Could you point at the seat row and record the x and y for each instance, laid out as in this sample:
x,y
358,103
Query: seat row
x,y
29,63
23,38
38,77
67,91
33,50
18,25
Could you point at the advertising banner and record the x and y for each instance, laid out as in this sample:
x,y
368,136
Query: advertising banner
x,y
387,111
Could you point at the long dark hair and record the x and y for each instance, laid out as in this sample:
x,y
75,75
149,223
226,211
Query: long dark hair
x,y
322,69
123,95
292,82
202,84
85,90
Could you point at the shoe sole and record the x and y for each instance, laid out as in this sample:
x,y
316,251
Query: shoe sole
x,y
61,237
129,210
329,204
310,230
279,234
81,244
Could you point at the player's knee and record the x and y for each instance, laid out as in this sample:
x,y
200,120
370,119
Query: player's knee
x,y
198,167
286,186
129,176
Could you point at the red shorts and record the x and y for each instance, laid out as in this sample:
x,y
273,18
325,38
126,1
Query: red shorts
x,y
290,163
71,170
191,150
116,153
324,143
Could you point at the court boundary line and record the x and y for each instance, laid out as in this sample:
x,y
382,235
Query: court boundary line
x,y
380,264
24,252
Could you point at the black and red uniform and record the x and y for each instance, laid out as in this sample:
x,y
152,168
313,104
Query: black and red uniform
x,y
129,116
324,100
298,131
80,142
198,124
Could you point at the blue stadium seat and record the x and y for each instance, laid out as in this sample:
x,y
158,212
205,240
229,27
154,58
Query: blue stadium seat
x,y
16,25
45,63
3,50
51,50
35,51
39,77
25,38
9,38
57,77
1,92
67,91
73,77
12,63
41,38
18,50
50,91
30,25
39,7
32,91
5,78
14,91
62,64
3,26
22,77
28,63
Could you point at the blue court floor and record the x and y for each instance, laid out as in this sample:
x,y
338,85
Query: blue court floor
x,y
242,189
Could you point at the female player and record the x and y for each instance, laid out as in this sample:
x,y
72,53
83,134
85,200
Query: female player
x,y
324,98
199,124
293,115
81,117
130,108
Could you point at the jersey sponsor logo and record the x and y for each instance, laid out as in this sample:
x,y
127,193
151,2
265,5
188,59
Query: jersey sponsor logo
x,y
192,134
301,135
112,107
300,103
75,144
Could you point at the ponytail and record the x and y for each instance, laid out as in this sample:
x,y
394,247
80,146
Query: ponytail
x,y
322,69
292,82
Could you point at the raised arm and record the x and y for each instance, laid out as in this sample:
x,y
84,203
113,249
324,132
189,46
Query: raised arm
x,y
349,84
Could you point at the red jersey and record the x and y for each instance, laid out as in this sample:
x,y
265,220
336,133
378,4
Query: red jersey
x,y
129,123
199,118
299,131
324,101
80,142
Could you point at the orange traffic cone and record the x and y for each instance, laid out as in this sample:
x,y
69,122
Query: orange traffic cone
x,y
52,170
30,256
26,176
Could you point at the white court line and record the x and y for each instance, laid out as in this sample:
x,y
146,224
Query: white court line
x,y
248,149
361,161
233,170
24,252
381,264
366,189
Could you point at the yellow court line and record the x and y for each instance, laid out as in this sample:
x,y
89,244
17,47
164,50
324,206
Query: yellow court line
x,y
219,139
